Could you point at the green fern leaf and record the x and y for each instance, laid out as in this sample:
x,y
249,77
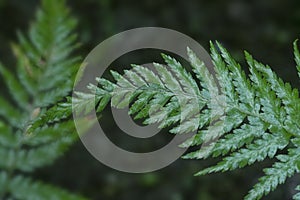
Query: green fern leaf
x,y
241,118
246,119
45,73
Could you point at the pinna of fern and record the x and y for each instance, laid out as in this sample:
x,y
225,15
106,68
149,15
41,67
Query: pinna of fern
x,y
43,76
242,118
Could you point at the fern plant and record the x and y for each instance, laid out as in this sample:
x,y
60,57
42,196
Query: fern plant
x,y
42,77
241,118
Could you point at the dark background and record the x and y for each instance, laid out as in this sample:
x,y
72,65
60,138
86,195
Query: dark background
x,y
264,28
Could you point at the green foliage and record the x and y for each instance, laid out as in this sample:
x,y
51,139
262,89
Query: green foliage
x,y
244,120
241,118
44,76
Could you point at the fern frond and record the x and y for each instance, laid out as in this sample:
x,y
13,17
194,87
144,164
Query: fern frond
x,y
45,73
242,118
246,119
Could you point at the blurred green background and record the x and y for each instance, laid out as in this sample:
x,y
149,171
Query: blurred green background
x,y
264,28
